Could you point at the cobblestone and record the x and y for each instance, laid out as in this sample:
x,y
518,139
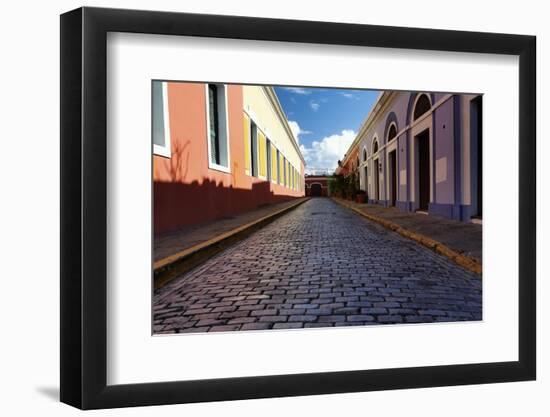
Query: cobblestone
x,y
320,265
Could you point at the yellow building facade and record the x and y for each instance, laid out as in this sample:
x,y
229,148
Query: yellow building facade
x,y
272,151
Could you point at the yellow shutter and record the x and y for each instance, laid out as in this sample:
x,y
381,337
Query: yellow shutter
x,y
281,172
290,176
246,125
273,163
262,152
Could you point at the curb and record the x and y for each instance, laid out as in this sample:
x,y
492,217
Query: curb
x,y
466,262
166,269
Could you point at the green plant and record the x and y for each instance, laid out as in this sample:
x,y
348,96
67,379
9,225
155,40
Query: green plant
x,y
352,185
337,186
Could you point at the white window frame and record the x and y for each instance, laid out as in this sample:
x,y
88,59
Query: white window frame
x,y
396,133
166,150
253,119
268,173
254,152
264,132
277,162
278,156
420,94
374,140
211,164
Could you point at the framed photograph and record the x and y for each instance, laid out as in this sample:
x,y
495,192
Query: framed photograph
x,y
257,208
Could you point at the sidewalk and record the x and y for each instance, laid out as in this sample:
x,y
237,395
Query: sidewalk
x,y
206,239
461,242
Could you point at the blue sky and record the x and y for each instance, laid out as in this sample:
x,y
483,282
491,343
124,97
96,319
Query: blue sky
x,y
325,120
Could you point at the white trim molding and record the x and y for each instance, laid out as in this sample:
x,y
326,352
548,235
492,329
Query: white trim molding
x,y
418,95
166,150
388,134
375,140
223,125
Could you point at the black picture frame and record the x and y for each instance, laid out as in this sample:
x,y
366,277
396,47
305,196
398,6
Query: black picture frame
x,y
84,207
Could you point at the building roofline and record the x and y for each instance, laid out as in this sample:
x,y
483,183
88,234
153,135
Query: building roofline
x,y
270,93
380,103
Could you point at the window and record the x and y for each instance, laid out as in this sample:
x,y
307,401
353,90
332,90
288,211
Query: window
x,y
268,152
274,164
262,168
364,155
289,175
284,171
278,167
254,149
375,146
160,122
218,146
247,154
422,106
392,134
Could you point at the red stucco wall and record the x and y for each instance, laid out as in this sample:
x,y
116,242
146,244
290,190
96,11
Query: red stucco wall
x,y
186,190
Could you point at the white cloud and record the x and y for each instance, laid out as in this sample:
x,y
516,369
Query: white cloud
x,y
314,105
298,90
325,153
350,96
297,130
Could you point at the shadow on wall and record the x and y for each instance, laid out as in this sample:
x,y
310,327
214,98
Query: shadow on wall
x,y
177,205
179,160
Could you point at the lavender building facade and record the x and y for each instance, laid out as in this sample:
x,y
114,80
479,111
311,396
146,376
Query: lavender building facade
x,y
423,152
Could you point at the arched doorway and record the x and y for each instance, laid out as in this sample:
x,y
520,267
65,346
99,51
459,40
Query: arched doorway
x,y
375,173
316,190
367,182
376,180
422,147
423,151
392,166
392,177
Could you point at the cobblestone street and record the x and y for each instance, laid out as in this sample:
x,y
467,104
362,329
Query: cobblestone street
x,y
320,265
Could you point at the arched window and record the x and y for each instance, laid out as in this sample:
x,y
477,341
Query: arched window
x,y
365,155
422,106
375,147
357,162
392,134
